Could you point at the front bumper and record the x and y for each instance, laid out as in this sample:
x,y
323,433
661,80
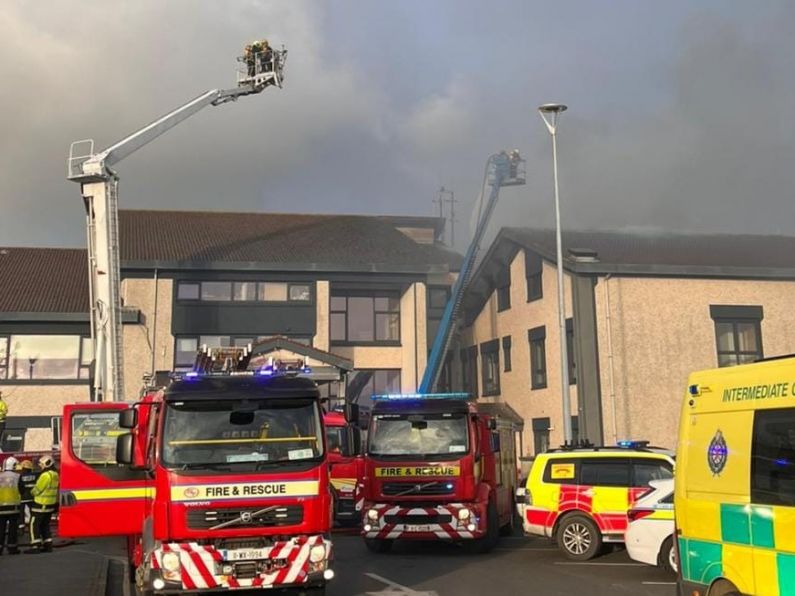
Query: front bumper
x,y
440,522
203,567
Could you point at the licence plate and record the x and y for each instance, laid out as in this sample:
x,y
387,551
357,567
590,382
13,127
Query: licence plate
x,y
244,555
418,528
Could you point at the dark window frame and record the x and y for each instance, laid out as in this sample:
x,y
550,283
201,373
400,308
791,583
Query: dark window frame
x,y
534,276
537,338
626,462
736,316
506,353
84,371
372,380
373,295
490,358
231,301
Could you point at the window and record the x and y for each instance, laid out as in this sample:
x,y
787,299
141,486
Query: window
x,y
273,292
365,318
533,274
738,333
12,440
541,434
216,291
94,437
37,357
773,457
300,293
185,352
561,471
606,472
244,291
490,361
538,357
186,347
645,472
437,297
503,284
187,291
363,384
469,364
506,353
570,351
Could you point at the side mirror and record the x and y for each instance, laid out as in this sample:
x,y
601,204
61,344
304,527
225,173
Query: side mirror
x,y
124,449
351,413
521,496
128,418
356,441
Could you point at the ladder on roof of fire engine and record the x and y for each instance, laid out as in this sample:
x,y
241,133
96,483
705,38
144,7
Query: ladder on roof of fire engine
x,y
99,187
502,169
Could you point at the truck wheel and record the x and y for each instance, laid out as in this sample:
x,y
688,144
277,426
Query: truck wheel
x,y
667,557
378,545
492,537
579,538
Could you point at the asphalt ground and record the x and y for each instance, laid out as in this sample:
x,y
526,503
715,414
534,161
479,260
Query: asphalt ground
x,y
517,566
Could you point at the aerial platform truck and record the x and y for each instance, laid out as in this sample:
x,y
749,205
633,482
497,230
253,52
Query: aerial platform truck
x,y
440,466
220,479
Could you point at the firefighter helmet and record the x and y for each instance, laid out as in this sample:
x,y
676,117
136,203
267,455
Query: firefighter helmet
x,y
46,462
26,465
10,463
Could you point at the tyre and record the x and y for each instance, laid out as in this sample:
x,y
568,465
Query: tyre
x,y
489,541
579,538
378,545
723,588
667,557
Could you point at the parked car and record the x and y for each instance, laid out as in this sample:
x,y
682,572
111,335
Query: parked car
x,y
650,533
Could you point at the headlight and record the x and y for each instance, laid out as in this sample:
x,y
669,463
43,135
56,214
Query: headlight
x,y
171,561
317,553
372,515
464,514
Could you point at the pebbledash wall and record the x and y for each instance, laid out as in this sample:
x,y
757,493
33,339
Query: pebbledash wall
x,y
647,331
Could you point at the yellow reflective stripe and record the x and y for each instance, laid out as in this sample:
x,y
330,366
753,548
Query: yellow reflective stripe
x,y
223,441
109,494
343,482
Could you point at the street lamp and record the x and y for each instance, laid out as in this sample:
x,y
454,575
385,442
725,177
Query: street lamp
x,y
550,113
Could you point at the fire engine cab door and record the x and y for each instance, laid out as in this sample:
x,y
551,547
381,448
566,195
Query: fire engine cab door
x,y
98,496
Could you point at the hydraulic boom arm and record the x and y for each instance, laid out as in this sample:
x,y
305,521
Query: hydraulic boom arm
x,y
502,169
99,187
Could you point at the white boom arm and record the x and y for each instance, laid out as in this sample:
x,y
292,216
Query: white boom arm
x,y
99,187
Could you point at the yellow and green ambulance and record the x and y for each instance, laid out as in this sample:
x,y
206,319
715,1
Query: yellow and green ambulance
x,y
735,481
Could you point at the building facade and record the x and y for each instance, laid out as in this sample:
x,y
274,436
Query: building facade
x,y
642,313
355,287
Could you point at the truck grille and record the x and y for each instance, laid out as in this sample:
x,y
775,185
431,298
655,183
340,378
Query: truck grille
x,y
202,519
397,488
419,519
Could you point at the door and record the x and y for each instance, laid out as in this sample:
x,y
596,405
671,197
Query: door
x,y
606,482
98,496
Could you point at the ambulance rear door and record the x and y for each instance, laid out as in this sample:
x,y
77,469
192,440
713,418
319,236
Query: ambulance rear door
x,y
98,495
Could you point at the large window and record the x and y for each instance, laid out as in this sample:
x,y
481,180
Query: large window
x,y
243,291
365,318
506,353
533,274
538,357
186,347
504,289
541,428
469,370
773,457
738,333
608,472
363,384
38,357
490,360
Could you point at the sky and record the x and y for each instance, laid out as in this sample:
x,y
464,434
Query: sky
x,y
680,113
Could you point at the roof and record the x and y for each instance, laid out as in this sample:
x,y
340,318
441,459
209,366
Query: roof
x,y
736,256
280,342
43,280
283,241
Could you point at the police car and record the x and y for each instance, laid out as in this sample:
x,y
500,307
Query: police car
x,y
580,496
650,534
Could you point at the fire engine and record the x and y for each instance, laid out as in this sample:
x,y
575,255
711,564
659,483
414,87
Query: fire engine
x,y
219,480
439,467
347,468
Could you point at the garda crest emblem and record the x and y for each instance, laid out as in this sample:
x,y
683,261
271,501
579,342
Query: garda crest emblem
x,y
717,453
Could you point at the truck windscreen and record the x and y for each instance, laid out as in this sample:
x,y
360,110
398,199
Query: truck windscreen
x,y
236,431
412,434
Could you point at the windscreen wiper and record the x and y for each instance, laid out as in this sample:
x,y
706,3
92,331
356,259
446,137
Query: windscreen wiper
x,y
206,466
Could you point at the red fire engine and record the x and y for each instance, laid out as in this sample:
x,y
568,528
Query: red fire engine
x,y
439,467
347,468
219,481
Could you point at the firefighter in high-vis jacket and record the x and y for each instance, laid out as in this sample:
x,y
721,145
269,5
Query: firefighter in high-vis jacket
x,y
45,497
9,506
27,480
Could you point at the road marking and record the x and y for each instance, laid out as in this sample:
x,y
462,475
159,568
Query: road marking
x,y
659,583
601,564
396,589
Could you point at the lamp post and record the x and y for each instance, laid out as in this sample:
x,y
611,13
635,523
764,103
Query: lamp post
x,y
550,113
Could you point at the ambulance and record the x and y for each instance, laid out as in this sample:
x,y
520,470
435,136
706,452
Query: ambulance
x,y
735,487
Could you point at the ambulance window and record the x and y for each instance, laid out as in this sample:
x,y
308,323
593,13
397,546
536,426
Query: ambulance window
x,y
561,471
647,471
773,457
610,472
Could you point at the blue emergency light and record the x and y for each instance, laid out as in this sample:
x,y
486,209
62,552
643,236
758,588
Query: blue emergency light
x,y
419,396
627,444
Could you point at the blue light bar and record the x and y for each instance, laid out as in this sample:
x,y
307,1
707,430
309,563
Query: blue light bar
x,y
191,375
632,444
419,396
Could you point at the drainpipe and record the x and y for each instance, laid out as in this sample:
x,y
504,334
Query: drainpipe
x,y
154,327
610,368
